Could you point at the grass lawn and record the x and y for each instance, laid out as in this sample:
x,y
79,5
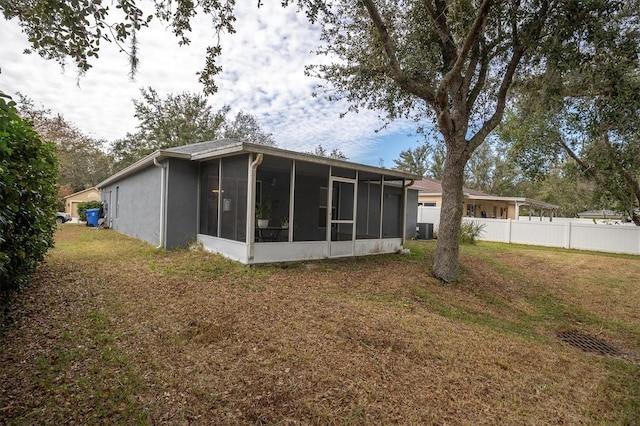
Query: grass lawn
x,y
115,331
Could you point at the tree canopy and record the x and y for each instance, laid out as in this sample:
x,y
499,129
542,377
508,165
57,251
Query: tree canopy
x,y
179,119
335,153
417,160
76,29
246,128
82,160
588,112
182,119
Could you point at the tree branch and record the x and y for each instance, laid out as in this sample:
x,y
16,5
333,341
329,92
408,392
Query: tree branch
x,y
594,173
519,49
496,118
470,41
448,49
473,63
586,167
439,18
472,95
423,90
628,177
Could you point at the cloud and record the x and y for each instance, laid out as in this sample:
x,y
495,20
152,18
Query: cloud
x,y
263,75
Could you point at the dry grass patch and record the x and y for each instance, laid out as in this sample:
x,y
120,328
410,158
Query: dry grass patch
x,y
115,331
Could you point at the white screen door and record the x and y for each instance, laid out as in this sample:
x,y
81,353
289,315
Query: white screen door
x,y
342,208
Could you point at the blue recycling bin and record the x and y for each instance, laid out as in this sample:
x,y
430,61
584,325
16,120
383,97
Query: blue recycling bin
x,y
92,217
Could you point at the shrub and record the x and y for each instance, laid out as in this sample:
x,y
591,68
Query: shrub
x,y
470,231
28,170
82,209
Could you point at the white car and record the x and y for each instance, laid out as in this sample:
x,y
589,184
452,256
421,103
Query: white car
x,y
62,217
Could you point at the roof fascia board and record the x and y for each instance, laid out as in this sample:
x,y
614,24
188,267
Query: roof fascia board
x,y
141,164
518,199
138,165
79,192
250,148
217,152
496,198
541,204
170,154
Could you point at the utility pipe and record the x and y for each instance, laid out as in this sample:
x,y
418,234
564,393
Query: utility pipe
x,y
251,202
162,200
404,209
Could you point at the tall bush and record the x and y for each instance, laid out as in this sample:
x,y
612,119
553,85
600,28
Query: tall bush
x,y
85,205
28,171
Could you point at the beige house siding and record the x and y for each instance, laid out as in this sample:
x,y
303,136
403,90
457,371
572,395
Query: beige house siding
x,y
430,199
471,208
474,208
71,201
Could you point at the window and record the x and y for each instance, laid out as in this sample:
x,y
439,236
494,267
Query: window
x,y
117,201
471,210
427,204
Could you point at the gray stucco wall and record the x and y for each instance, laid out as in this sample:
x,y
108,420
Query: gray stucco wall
x,y
137,212
412,214
182,203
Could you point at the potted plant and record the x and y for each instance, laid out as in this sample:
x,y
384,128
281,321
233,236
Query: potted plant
x,y
263,212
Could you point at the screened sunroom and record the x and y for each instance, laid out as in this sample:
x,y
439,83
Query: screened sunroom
x,y
259,204
275,206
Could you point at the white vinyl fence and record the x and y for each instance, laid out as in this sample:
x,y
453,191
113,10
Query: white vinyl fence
x,y
564,233
429,215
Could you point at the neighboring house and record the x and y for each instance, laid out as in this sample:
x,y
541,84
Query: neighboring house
x,y
207,192
481,204
71,201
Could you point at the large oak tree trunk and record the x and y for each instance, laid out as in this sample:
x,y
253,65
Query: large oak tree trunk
x,y
446,264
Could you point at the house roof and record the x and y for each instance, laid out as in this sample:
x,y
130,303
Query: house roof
x,y
75,194
204,151
428,186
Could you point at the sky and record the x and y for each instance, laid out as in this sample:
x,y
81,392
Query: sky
x,y
263,75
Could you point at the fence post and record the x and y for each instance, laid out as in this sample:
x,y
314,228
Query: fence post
x,y
509,230
567,234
